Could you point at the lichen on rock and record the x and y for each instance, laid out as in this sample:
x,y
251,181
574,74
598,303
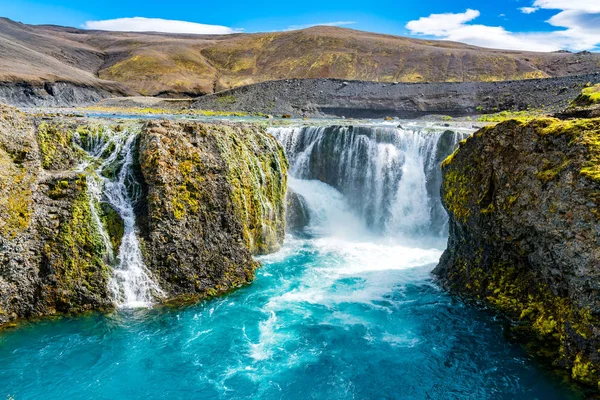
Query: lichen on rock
x,y
215,195
524,232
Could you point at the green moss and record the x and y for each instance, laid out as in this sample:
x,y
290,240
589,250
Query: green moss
x,y
550,171
53,140
58,190
523,116
115,227
457,193
585,372
76,256
589,96
584,132
226,100
546,316
258,174
16,206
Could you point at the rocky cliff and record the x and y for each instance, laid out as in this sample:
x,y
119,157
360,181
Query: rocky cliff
x,y
212,195
215,196
51,257
524,234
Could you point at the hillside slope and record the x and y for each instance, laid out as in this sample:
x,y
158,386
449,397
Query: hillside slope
x,y
175,64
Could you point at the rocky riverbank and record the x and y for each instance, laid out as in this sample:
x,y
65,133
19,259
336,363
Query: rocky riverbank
x,y
359,99
209,196
55,94
524,234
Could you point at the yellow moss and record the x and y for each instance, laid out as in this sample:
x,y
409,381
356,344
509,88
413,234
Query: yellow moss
x,y
76,255
521,116
585,132
15,197
457,194
584,371
550,171
589,96
154,110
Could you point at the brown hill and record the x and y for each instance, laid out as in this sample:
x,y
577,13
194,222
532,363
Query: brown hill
x,y
175,64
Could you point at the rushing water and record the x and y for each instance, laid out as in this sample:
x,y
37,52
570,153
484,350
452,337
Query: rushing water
x,y
112,156
346,310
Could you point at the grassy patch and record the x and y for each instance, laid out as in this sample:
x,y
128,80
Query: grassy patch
x,y
151,110
523,116
589,96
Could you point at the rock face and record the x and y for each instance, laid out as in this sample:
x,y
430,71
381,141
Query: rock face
x,y
215,196
212,196
525,232
53,94
51,258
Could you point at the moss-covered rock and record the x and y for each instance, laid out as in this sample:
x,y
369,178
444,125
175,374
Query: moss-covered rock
x,y
74,256
524,234
215,195
51,256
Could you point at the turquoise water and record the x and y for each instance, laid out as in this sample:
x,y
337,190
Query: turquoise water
x,y
326,318
344,311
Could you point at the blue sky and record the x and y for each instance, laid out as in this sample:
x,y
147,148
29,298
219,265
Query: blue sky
x,y
548,25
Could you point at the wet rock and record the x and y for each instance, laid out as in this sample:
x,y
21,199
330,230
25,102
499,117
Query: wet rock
x,y
297,215
215,196
524,233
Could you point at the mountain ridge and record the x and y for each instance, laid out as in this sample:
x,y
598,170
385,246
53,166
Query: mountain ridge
x,y
175,65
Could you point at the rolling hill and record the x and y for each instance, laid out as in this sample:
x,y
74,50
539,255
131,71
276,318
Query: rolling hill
x,y
156,64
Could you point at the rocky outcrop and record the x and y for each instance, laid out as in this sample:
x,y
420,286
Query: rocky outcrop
x,y
53,94
525,231
51,257
213,195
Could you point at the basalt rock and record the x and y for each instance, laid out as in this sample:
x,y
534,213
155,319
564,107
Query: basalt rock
x,y
525,232
215,196
51,257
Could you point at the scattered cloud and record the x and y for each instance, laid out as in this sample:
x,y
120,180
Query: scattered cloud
x,y
577,23
334,23
141,24
528,10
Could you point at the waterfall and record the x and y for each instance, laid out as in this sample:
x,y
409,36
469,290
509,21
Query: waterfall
x,y
389,176
112,181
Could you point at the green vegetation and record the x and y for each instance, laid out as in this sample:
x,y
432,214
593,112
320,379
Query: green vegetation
x,y
226,100
76,255
150,110
258,174
457,192
523,116
584,132
15,196
114,225
550,171
589,96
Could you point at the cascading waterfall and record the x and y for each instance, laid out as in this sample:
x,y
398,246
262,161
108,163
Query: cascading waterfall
x,y
111,156
390,176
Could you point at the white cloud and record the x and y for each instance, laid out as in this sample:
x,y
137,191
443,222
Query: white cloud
x,y
441,24
589,6
141,24
528,10
582,31
334,23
